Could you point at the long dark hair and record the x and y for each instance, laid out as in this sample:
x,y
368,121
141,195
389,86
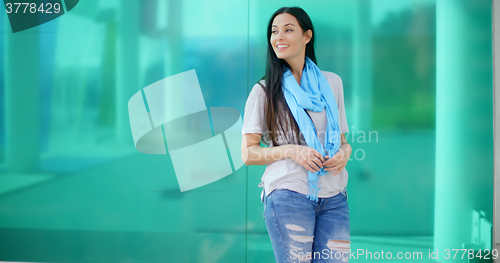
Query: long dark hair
x,y
278,115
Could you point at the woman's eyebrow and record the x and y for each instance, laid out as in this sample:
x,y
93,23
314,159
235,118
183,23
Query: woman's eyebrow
x,y
285,25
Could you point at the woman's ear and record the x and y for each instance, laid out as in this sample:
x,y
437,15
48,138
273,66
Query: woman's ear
x,y
308,36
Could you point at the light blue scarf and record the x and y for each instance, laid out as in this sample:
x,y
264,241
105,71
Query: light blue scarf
x,y
314,93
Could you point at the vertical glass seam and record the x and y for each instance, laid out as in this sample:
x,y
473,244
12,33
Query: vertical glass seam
x,y
64,6
246,167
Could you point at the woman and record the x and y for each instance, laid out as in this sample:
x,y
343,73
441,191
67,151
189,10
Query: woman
x,y
304,196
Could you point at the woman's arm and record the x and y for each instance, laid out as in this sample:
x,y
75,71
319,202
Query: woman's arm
x,y
253,154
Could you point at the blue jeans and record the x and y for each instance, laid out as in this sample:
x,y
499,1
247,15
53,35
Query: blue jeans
x,y
302,230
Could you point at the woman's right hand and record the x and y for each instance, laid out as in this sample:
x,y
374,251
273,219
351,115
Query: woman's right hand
x,y
306,156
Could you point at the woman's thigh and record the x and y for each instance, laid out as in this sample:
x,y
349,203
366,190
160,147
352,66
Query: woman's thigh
x,y
290,222
332,233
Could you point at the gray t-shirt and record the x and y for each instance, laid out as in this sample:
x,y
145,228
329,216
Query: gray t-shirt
x,y
287,174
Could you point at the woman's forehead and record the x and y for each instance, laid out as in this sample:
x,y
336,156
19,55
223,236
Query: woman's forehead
x,y
284,19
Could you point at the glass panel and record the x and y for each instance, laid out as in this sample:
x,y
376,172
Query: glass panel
x,y
92,196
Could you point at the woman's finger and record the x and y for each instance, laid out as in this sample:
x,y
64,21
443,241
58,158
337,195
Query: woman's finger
x,y
329,163
319,156
337,172
335,161
317,162
310,168
334,168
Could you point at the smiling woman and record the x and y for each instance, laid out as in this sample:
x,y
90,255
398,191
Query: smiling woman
x,y
298,110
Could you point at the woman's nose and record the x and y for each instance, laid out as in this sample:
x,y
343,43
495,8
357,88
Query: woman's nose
x,y
280,35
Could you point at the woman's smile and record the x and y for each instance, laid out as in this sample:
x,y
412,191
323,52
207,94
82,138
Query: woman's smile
x,y
281,47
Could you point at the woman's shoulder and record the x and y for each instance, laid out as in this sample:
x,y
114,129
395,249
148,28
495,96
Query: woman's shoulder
x,y
259,87
330,76
334,80
261,83
258,90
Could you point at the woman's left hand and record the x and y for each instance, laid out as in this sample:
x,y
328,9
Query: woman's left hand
x,y
339,161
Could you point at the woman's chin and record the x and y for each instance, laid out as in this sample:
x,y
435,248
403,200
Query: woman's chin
x,y
282,57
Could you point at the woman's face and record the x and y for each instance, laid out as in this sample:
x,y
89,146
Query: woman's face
x,y
287,38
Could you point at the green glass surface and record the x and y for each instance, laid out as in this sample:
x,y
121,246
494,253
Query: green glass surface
x,y
417,79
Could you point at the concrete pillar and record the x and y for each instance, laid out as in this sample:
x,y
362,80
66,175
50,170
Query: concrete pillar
x,y
127,65
22,99
464,152
361,116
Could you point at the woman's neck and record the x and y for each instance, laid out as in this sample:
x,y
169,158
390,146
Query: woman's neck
x,y
297,66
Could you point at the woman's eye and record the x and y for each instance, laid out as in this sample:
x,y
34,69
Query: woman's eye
x,y
287,30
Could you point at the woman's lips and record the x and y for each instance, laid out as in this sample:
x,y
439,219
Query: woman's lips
x,y
281,47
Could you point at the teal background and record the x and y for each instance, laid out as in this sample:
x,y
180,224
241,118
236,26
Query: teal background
x,y
417,78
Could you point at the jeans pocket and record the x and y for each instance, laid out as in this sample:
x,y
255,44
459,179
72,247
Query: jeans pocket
x,y
344,192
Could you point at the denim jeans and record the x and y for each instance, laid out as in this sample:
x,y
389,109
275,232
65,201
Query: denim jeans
x,y
302,230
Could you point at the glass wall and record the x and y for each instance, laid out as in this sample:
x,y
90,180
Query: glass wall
x,y
417,80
